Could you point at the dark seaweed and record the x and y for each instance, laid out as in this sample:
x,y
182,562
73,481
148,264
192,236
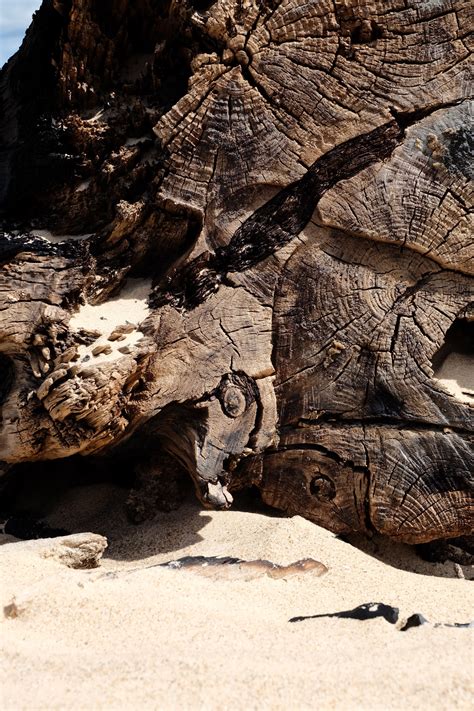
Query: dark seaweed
x,y
371,610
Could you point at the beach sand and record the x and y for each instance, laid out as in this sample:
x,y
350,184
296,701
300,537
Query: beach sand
x,y
129,636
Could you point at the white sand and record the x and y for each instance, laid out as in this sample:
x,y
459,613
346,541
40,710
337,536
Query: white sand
x,y
456,374
130,306
153,638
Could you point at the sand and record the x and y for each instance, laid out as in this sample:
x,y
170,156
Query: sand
x,y
129,636
130,305
456,375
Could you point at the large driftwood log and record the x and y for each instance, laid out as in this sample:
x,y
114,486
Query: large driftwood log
x,y
238,240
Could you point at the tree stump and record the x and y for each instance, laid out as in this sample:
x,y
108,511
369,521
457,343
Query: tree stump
x,y
238,234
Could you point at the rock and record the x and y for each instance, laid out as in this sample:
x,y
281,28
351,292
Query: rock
x,y
81,550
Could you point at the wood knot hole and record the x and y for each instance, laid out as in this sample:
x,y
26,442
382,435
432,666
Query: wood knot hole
x,y
365,32
322,488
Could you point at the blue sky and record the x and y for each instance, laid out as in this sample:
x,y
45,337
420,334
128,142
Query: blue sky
x,y
15,17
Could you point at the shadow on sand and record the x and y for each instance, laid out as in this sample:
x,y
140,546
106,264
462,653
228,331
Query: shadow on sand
x,y
98,505
406,557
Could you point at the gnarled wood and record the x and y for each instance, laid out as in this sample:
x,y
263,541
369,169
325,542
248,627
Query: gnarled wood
x,y
267,276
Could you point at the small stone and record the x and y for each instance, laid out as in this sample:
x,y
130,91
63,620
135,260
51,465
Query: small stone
x,y
44,367
81,550
10,611
15,608
69,354
119,333
102,348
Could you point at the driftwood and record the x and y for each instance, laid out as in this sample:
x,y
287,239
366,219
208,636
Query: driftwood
x,y
238,241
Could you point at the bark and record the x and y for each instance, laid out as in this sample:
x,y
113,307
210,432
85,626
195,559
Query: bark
x,y
258,263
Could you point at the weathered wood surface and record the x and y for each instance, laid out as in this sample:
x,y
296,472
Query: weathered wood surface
x,y
275,286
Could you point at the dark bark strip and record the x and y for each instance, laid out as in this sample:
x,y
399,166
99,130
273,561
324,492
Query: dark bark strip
x,y
283,217
275,224
278,221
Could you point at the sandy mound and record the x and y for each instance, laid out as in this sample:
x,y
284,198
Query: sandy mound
x,y
132,635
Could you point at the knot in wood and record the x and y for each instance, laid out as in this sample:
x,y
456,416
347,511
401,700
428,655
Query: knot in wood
x,y
236,393
233,401
322,487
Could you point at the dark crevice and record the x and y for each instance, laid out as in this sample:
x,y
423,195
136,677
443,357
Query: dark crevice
x,y
331,418
26,528
311,447
7,377
459,549
324,450
31,490
251,81
459,339
202,5
145,477
365,32
322,487
460,152
249,499
405,119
